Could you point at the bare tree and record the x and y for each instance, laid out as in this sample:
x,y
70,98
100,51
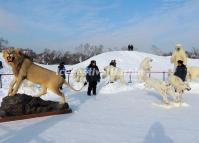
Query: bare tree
x,y
89,50
3,43
156,50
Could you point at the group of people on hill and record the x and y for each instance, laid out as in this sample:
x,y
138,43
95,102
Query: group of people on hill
x,y
93,73
130,47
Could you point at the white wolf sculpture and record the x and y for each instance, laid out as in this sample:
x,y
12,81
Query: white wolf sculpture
x,y
114,74
192,73
160,86
174,86
178,86
78,75
144,68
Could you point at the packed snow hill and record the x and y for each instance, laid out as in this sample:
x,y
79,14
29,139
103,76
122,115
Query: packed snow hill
x,y
117,114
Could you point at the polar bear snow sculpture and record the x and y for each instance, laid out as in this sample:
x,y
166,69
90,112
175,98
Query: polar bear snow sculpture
x,y
178,54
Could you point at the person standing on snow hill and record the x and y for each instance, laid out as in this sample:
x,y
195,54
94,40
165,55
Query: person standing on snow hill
x,y
92,77
61,71
181,70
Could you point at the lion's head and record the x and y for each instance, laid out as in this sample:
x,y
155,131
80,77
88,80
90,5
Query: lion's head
x,y
12,56
15,58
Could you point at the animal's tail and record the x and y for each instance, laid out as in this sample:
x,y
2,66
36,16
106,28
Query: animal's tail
x,y
67,84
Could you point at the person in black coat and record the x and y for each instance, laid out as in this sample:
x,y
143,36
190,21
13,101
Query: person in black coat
x,y
129,47
92,77
61,71
132,47
181,70
1,65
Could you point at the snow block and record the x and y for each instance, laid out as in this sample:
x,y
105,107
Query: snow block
x,y
22,104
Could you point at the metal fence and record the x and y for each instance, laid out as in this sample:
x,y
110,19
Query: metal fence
x,y
129,74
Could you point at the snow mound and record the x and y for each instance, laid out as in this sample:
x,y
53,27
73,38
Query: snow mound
x,y
130,60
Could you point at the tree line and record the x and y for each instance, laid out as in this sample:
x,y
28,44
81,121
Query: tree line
x,y
48,56
82,53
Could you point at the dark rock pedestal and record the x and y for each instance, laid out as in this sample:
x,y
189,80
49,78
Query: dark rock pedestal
x,y
22,104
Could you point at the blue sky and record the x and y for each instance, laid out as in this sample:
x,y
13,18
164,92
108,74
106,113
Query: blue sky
x,y
65,24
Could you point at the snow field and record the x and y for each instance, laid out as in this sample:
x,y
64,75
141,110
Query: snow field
x,y
118,114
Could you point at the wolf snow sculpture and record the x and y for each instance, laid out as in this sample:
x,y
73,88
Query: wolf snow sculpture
x,y
192,73
113,74
174,86
78,75
144,68
178,86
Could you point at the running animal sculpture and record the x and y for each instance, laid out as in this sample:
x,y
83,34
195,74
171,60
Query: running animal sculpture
x,y
144,68
178,54
24,68
79,75
178,85
163,88
160,86
192,73
114,74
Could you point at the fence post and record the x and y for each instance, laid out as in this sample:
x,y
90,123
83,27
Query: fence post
x,y
68,77
0,80
149,74
164,76
130,79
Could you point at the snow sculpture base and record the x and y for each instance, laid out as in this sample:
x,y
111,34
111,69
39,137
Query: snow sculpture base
x,y
22,106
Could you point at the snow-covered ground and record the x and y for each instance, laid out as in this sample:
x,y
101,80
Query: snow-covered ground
x,y
118,114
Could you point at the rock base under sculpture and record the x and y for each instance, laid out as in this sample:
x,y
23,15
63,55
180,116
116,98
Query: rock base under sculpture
x,y
22,106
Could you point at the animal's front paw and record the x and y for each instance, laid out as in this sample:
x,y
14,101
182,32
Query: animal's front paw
x,y
166,102
9,92
62,102
12,94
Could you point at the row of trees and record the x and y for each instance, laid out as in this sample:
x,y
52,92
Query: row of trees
x,y
82,52
48,56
